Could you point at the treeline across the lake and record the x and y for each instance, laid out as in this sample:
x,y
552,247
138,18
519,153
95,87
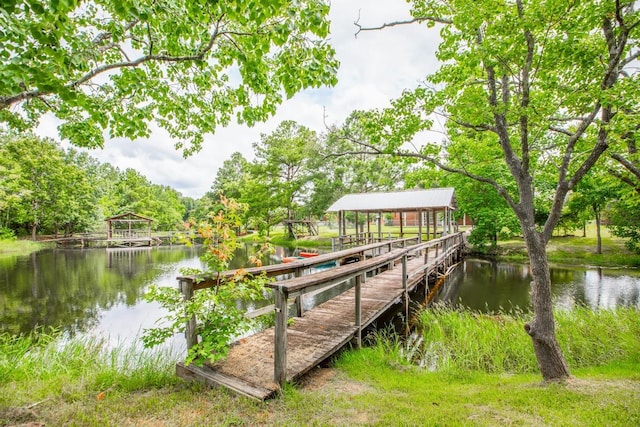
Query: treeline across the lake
x,y
297,173
47,190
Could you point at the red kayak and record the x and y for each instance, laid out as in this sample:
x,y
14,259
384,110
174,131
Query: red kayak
x,y
308,254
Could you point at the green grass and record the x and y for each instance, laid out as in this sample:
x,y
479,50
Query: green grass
x,y
418,397
19,247
576,250
44,364
464,340
78,383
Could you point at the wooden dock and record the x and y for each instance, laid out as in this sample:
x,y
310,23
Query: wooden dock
x,y
257,365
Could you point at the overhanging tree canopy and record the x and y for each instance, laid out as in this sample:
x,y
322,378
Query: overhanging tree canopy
x,y
118,66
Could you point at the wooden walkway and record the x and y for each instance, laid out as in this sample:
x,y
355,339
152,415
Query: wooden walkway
x,y
258,364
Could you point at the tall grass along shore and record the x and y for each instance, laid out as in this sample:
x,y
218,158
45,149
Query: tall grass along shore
x,y
458,368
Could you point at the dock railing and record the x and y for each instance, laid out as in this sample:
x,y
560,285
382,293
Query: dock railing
x,y
297,267
357,263
283,291
367,237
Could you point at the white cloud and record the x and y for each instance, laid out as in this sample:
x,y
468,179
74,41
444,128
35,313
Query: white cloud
x,y
375,67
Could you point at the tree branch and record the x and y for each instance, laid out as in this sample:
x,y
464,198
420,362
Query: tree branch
x,y
560,130
513,162
524,89
632,57
7,101
631,183
397,23
627,164
477,128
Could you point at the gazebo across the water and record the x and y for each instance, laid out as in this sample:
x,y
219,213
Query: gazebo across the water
x,y
433,209
129,229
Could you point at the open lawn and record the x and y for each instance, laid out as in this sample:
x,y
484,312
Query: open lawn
x,y
577,250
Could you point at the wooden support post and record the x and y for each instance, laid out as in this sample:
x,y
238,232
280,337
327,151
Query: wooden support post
x,y
299,298
445,228
363,257
426,256
186,287
379,226
405,297
401,225
427,214
280,340
419,226
368,228
357,229
344,223
435,224
445,252
358,319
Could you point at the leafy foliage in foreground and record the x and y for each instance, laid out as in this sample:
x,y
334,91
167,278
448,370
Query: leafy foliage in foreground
x,y
112,68
219,318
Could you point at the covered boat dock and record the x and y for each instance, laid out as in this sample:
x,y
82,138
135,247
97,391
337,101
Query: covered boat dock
x,y
433,209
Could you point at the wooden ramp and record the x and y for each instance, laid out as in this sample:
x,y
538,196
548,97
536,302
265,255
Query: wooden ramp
x,y
320,332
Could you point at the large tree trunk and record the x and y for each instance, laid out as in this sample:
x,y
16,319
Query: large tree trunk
x,y
542,327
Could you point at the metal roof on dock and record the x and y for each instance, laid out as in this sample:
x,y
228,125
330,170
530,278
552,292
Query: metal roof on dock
x,y
410,200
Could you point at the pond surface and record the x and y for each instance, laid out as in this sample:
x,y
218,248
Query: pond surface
x,y
92,291
99,292
491,286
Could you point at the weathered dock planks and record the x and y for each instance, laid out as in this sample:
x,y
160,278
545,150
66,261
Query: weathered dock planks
x,y
251,366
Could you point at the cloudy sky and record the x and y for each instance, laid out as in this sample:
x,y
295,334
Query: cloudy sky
x,y
375,67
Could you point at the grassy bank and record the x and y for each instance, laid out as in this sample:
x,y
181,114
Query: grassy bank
x,y
79,383
19,247
573,250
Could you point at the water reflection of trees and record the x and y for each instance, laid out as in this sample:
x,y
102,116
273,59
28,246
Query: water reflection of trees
x,y
68,289
492,286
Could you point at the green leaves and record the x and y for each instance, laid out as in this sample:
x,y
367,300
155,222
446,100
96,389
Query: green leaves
x,y
167,61
219,319
41,187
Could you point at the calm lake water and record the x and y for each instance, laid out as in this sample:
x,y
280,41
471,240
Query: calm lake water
x,y
492,286
99,292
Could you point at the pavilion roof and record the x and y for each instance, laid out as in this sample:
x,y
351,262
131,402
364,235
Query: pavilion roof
x,y
397,201
129,216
